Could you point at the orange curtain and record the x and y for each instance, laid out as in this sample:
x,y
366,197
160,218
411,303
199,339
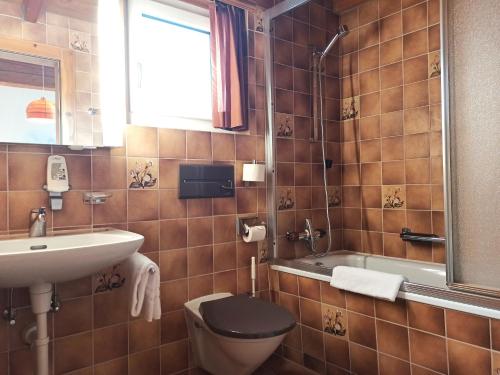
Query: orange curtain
x,y
228,43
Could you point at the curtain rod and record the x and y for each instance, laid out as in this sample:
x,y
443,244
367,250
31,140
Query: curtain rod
x,y
237,3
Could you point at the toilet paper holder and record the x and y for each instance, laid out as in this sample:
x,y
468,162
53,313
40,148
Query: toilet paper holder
x,y
249,220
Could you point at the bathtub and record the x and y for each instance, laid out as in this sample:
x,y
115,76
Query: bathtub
x,y
425,282
425,273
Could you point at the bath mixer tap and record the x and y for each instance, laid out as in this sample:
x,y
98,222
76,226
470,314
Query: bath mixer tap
x,y
38,222
310,235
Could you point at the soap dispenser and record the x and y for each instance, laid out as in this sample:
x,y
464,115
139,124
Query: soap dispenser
x,y
57,180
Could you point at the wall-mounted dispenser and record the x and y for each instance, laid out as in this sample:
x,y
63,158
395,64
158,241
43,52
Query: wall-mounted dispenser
x,y
254,172
57,180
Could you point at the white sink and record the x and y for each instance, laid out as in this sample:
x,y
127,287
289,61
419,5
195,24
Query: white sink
x,y
26,262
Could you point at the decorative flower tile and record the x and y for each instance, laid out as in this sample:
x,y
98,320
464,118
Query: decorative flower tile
x,y
334,196
142,174
350,108
393,196
109,279
285,199
80,41
334,320
283,124
259,25
434,64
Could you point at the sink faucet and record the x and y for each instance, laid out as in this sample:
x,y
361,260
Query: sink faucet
x,y
38,223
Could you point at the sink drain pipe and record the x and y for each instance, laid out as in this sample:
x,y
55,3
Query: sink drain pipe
x,y
41,296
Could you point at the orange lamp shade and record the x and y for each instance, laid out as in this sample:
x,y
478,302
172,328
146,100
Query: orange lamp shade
x,y
42,109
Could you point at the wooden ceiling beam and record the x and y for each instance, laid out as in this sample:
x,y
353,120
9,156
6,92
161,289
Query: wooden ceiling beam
x,y
32,9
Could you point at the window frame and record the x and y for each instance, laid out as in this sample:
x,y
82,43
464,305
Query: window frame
x,y
155,10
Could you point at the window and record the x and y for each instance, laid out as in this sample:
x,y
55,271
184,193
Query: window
x,y
170,72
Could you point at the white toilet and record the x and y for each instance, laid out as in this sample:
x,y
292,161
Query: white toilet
x,y
235,334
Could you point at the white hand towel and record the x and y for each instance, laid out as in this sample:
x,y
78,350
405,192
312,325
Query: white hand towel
x,y
371,283
144,287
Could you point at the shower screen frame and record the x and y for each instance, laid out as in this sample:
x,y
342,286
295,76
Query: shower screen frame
x,y
447,106
267,18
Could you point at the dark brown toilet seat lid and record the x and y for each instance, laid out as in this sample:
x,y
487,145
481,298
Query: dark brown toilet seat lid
x,y
245,317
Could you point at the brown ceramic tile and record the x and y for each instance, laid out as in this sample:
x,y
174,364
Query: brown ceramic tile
x,y
393,173
27,171
174,357
199,145
362,330
415,18
246,199
434,35
108,172
369,58
371,197
150,231
391,124
143,205
20,205
116,334
467,359
312,343
425,317
369,81
74,212
200,231
416,95
74,318
370,104
392,311
417,171
416,120
392,339
200,286
390,365
73,352
200,260
417,146
172,143
115,367
495,334
337,351
309,288
415,44
368,35
428,350
415,69
288,283
369,127
173,326
174,294
173,234
394,220
391,100
468,328
391,51
391,76
142,141
310,313
110,308
390,27
363,360
392,148
332,296
173,264
359,303
372,220
223,146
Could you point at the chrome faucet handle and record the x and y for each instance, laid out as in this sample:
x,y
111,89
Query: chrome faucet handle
x,y
308,227
38,223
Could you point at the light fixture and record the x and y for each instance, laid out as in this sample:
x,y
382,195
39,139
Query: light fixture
x,y
41,110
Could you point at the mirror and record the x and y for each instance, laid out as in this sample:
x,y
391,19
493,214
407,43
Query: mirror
x,y
29,93
62,76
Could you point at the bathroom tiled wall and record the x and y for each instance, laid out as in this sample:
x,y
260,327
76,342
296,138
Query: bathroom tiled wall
x,y
194,242
299,190
385,338
391,146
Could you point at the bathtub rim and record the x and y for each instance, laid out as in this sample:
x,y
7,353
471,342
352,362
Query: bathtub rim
x,y
441,297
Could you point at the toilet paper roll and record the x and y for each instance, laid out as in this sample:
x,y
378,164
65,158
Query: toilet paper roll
x,y
254,234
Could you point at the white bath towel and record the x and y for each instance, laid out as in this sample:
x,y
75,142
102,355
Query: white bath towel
x,y
371,283
143,278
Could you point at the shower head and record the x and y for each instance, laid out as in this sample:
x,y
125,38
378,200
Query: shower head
x,y
341,32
